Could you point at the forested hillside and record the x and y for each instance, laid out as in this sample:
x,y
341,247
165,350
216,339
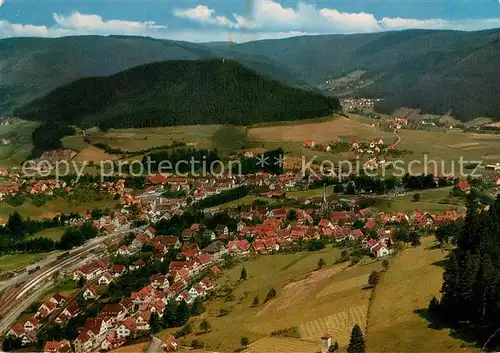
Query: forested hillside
x,y
32,67
471,281
434,70
168,93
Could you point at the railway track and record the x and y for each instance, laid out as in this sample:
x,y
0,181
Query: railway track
x,y
14,293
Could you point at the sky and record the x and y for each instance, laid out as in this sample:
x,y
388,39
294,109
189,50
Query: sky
x,y
239,20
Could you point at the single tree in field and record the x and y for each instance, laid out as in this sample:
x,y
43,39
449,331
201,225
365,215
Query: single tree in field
x,y
385,265
357,342
244,341
243,275
416,197
321,263
255,301
205,325
374,278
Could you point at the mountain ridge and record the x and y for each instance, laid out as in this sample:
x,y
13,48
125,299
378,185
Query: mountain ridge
x,y
434,70
185,92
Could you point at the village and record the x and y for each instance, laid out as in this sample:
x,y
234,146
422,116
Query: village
x,y
194,257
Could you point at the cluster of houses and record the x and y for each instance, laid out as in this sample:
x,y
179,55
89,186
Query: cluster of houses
x,y
373,147
116,322
355,104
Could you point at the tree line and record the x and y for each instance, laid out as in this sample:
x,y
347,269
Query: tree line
x,y
471,281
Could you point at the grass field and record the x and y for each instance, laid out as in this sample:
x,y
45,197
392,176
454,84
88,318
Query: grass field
x,y
19,132
316,192
11,262
247,200
223,137
52,208
415,276
320,132
298,303
65,288
55,233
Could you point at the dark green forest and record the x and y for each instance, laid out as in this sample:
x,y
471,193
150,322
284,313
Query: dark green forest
x,y
471,282
178,93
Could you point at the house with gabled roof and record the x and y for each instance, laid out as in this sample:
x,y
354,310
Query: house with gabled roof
x,y
105,279
184,295
379,250
46,309
63,346
464,187
159,281
170,344
142,320
58,299
91,293
111,342
125,328
238,247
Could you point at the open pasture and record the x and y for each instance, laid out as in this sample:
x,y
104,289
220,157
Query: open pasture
x,y
396,320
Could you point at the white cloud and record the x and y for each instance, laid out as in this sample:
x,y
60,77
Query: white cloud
x,y
203,14
79,24
398,23
269,20
94,23
269,16
1,2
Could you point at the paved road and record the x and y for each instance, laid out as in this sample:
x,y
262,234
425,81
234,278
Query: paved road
x,y
155,345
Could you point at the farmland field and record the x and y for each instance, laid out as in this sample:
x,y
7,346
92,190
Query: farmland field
x,y
52,208
321,132
19,132
296,305
224,137
414,277
11,262
54,234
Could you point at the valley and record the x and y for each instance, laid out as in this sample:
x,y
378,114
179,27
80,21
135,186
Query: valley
x,y
323,193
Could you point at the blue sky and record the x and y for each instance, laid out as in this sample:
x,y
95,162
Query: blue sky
x,y
239,20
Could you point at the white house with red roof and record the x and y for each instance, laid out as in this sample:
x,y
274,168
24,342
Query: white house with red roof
x,y
238,247
184,295
125,328
309,144
464,186
379,250
91,293
170,344
46,309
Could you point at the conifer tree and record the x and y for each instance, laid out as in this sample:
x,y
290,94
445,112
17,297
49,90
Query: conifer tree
x,y
243,275
357,341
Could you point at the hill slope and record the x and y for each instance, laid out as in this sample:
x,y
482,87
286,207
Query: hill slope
x,y
32,67
178,93
434,70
